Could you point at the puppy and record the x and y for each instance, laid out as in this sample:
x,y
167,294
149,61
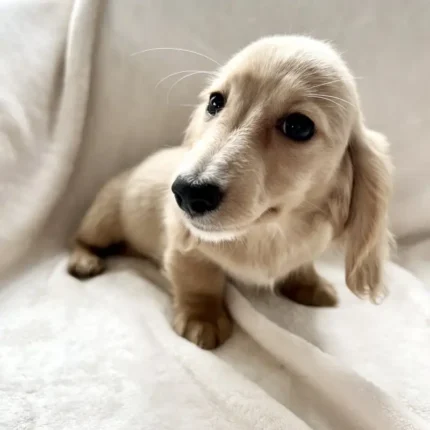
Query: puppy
x,y
276,164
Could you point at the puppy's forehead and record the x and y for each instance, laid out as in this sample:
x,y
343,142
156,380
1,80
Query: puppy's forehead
x,y
274,62
277,72
295,61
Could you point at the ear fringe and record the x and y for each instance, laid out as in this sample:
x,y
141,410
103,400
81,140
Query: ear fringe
x,y
368,238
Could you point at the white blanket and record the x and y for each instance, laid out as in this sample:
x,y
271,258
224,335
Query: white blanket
x,y
101,354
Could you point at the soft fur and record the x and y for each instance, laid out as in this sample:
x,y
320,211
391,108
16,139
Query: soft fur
x,y
285,202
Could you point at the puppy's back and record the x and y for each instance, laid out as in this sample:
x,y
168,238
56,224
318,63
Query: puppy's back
x,y
144,200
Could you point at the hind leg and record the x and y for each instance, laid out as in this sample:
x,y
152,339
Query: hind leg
x,y
306,287
84,263
99,231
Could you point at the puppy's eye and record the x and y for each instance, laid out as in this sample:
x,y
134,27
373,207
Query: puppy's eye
x,y
297,127
216,103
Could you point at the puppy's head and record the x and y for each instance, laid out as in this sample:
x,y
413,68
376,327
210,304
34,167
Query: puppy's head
x,y
271,133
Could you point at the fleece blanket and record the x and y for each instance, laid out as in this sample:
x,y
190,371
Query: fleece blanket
x,y
101,354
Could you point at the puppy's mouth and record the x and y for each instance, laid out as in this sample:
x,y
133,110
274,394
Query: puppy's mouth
x,y
212,234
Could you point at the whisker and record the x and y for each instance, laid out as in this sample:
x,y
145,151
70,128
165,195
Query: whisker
x,y
186,105
179,73
333,97
177,82
328,100
326,83
313,205
176,49
338,98
334,81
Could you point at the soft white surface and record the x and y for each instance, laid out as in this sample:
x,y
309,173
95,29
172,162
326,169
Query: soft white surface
x,y
101,354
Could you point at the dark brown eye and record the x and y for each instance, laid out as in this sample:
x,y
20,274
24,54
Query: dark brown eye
x,y
297,127
216,103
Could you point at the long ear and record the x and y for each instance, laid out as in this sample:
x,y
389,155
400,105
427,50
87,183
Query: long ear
x,y
367,236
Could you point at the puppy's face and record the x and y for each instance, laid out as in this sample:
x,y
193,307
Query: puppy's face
x,y
269,135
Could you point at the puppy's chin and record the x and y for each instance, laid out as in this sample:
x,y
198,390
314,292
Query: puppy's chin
x,y
206,233
214,236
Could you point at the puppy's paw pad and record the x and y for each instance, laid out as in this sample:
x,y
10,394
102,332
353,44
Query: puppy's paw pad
x,y
203,333
83,266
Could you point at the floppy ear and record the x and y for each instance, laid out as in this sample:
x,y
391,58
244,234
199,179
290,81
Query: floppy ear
x,y
367,236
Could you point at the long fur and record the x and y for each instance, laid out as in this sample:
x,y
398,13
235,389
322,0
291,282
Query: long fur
x,y
285,202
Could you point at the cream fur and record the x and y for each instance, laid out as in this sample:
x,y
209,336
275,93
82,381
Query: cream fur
x,y
285,202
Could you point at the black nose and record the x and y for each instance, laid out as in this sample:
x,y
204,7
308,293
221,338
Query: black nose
x,y
196,199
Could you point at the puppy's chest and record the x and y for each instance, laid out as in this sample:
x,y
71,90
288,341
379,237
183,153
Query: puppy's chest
x,y
265,259
258,262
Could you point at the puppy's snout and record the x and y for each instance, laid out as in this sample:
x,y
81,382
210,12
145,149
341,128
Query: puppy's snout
x,y
196,199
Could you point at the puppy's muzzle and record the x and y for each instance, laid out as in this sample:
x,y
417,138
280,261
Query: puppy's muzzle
x,y
196,199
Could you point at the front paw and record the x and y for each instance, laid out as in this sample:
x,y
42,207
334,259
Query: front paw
x,y
206,331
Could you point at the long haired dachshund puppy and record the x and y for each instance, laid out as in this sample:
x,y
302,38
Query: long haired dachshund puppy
x,y
276,164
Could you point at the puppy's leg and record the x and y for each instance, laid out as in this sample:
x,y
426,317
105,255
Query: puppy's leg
x,y
306,287
99,230
198,291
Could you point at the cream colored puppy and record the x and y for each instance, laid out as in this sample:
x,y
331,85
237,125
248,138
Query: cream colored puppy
x,y
276,164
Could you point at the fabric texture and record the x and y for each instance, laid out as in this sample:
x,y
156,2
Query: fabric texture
x,y
75,108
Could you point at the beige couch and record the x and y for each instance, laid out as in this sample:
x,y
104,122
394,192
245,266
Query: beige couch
x,y
76,107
